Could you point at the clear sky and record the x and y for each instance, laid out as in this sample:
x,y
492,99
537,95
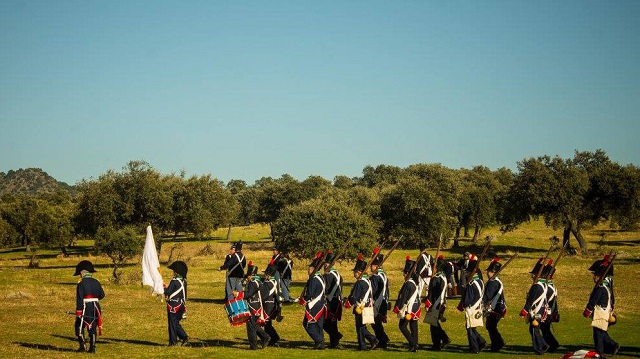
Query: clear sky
x,y
248,89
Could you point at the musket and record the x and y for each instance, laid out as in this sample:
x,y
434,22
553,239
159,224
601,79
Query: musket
x,y
475,268
340,253
553,266
315,269
553,245
395,245
373,256
606,270
515,255
435,264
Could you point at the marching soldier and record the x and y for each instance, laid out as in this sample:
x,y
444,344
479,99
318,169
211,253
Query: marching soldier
x,y
435,305
285,267
494,304
361,297
252,294
471,304
234,263
176,294
380,284
408,305
424,268
601,309
271,302
535,310
333,281
313,300
553,315
88,312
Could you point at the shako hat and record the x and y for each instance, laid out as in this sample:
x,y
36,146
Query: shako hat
x,y
251,269
361,264
408,264
377,257
548,269
316,262
271,268
237,246
536,268
84,265
604,262
329,257
441,263
179,267
495,265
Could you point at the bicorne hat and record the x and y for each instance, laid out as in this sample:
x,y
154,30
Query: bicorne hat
x,y
179,267
84,265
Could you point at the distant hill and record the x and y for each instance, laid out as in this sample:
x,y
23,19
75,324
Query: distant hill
x,y
30,181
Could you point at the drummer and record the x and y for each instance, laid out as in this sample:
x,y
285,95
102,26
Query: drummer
x,y
252,294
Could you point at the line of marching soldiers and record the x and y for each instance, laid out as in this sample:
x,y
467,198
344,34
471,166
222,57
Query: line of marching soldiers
x,y
323,300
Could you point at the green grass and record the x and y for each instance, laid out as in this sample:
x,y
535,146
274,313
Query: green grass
x,y
33,322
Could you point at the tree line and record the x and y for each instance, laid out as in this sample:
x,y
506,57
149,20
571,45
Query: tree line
x,y
418,203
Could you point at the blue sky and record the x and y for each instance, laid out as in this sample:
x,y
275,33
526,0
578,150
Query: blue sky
x,y
243,90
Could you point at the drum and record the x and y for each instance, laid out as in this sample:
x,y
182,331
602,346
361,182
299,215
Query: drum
x,y
237,311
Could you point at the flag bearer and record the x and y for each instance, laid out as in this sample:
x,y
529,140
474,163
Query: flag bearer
x,y
176,294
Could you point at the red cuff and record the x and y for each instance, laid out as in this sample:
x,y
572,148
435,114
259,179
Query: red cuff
x,y
78,312
460,307
587,313
347,304
427,303
240,295
396,309
302,302
523,313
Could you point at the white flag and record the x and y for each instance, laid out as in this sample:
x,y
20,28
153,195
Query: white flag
x,y
150,274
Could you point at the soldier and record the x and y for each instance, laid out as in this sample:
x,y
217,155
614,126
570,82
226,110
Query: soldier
x,y
460,273
601,309
176,295
234,263
535,309
494,304
553,315
333,281
424,268
88,312
313,299
435,305
275,258
471,304
252,294
361,296
380,284
271,302
285,267
408,305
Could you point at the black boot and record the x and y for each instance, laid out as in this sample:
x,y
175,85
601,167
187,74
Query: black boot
x,y
81,348
92,343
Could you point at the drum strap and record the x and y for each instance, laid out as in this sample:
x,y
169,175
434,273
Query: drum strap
x,y
237,264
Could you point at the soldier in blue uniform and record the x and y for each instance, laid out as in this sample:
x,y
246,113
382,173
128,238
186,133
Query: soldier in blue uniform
x,y
234,263
471,304
88,312
494,304
252,294
176,295
285,267
601,309
333,294
380,284
435,305
271,302
408,306
535,309
361,296
313,300
553,315
424,268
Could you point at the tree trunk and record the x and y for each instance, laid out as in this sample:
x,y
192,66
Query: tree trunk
x,y
115,273
229,233
456,243
466,231
581,241
566,235
273,238
476,233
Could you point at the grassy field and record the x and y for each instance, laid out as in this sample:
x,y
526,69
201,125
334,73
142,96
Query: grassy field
x,y
33,322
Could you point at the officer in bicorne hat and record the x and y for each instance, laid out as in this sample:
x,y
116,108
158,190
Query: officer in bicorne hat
x,y
234,263
408,305
380,284
494,304
313,300
361,296
176,295
271,302
601,308
333,294
435,305
88,312
252,294
534,310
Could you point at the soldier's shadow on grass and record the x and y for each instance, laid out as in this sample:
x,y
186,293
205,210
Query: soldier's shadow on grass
x,y
47,347
208,300
107,340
